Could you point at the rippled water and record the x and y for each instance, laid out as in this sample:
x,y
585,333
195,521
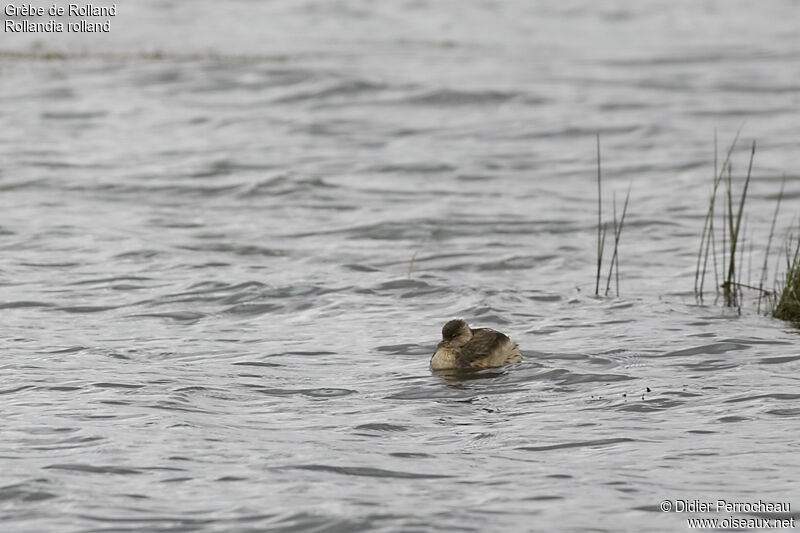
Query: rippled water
x,y
229,238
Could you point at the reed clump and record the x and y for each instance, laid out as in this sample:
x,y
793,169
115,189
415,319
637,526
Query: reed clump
x,y
732,234
783,300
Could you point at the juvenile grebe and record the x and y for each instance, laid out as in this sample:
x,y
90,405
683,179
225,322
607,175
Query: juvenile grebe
x,y
463,347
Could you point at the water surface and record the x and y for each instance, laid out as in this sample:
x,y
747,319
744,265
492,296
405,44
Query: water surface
x,y
229,237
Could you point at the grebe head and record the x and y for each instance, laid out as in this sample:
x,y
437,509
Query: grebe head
x,y
456,333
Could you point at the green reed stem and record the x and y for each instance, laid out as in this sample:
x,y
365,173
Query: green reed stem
x,y
763,278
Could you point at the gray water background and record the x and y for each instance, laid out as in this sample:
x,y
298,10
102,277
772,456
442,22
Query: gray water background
x,y
230,234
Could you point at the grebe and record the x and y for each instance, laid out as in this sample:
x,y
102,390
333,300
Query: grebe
x,y
463,347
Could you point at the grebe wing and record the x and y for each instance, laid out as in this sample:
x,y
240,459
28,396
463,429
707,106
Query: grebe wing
x,y
483,343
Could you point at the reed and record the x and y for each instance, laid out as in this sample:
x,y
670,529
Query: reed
x,y
763,278
707,240
411,263
602,230
731,287
614,266
732,234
